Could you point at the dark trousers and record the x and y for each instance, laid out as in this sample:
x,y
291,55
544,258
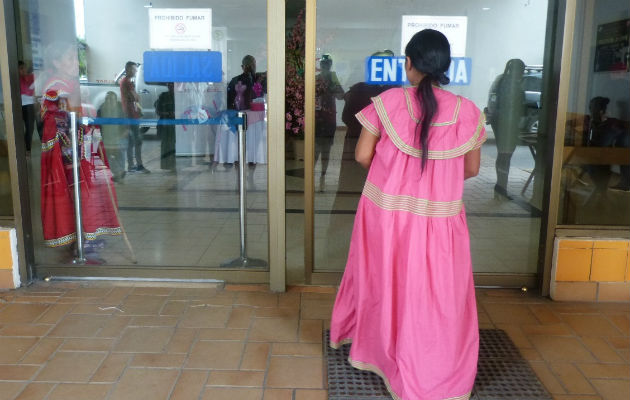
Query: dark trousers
x,y
28,115
135,146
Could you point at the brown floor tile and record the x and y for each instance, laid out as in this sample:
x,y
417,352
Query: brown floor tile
x,y
75,325
41,352
18,372
316,309
622,322
99,308
255,299
8,390
554,348
222,334
277,312
115,326
574,308
194,293
246,288
117,295
236,378
153,321
35,391
88,344
145,384
516,314
572,379
603,351
256,356
625,354
219,393
240,318
547,378
311,330
158,360
13,350
88,292
55,313
71,367
591,325
278,394
312,289
144,340
181,340
531,354
328,297
36,330
112,368
612,389
560,329
216,355
142,305
174,308
66,391
274,330
289,299
544,314
216,299
21,313
619,342
190,385
152,291
295,372
516,334
598,370
297,349
205,317
302,394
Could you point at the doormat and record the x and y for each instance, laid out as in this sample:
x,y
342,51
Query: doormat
x,y
502,373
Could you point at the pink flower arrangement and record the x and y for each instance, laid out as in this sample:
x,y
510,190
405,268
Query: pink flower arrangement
x,y
294,121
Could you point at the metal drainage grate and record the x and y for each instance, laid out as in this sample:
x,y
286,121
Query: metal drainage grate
x,y
502,373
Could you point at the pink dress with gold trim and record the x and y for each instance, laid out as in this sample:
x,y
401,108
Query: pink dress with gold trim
x,y
407,299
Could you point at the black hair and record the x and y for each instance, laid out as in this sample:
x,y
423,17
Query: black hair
x,y
130,64
430,53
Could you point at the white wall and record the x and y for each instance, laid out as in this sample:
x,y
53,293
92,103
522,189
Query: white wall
x,y
117,31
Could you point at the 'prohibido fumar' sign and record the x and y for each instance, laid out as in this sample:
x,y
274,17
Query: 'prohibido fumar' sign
x,y
180,28
454,28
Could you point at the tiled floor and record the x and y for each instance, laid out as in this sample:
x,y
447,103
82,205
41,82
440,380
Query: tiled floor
x,y
69,340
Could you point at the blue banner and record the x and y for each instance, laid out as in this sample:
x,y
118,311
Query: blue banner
x,y
391,71
182,66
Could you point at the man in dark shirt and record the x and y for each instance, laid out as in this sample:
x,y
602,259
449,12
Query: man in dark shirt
x,y
129,99
248,78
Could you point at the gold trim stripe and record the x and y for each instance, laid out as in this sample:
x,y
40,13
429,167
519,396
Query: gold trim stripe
x,y
374,369
48,145
413,117
367,124
415,152
414,205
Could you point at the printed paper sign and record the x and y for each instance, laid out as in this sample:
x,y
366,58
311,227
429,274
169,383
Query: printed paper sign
x,y
391,71
454,28
180,28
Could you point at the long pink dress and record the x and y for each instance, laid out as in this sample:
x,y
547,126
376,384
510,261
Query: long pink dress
x,y
407,299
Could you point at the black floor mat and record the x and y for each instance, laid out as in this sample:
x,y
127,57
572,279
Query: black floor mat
x,y
502,373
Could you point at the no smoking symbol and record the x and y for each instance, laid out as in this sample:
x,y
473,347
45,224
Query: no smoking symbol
x,y
180,28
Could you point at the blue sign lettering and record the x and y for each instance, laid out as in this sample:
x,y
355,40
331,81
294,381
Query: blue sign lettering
x,y
182,66
391,71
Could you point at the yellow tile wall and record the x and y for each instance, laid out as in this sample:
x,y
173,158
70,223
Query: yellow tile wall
x,y
6,259
602,265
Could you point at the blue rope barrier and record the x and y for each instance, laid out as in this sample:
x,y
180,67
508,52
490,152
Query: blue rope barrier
x,y
227,118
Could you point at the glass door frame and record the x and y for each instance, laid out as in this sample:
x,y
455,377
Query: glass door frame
x,y
275,276
556,30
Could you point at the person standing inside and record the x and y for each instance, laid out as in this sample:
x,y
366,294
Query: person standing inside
x,y
240,90
165,109
407,298
129,99
27,90
328,90
114,136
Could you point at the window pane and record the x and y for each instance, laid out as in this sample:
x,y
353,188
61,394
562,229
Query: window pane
x,y
596,172
6,202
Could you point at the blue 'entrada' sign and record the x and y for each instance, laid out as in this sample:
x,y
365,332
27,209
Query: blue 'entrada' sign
x,y
391,71
182,66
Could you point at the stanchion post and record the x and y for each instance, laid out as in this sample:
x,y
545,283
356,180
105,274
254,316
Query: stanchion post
x,y
80,259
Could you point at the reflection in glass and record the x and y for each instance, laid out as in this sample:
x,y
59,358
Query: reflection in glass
x,y
6,201
596,158
168,191
504,202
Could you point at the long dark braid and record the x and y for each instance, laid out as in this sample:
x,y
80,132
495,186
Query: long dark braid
x,y
430,53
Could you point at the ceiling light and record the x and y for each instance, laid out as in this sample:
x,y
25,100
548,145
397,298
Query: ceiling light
x,y
486,8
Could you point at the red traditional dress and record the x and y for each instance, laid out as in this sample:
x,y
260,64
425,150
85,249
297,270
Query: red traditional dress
x,y
407,299
57,199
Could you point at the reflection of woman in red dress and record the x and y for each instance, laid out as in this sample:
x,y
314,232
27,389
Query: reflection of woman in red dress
x,y
98,212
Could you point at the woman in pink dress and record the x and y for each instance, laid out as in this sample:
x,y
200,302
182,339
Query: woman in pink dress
x,y
407,299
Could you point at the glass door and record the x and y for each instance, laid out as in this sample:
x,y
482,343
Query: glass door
x,y
504,203
155,91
